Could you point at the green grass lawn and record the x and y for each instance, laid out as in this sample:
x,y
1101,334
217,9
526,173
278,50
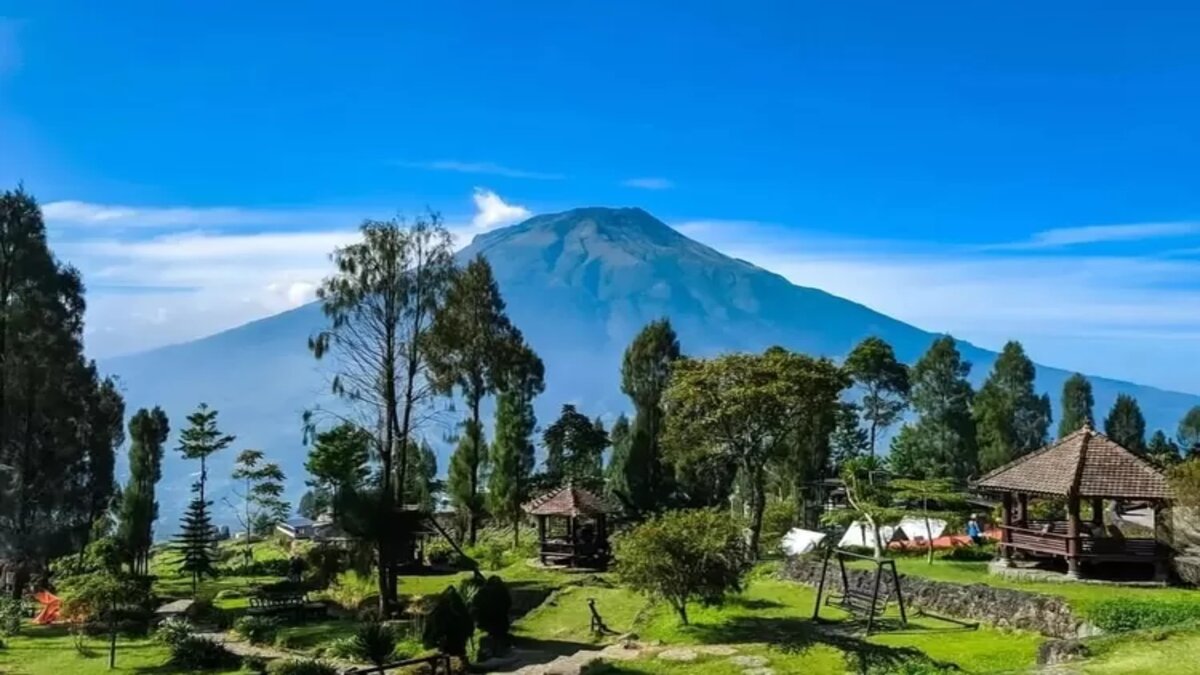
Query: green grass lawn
x,y
1146,652
772,619
50,650
1079,595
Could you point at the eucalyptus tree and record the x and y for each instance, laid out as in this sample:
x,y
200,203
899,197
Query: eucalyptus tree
x,y
1011,420
884,383
380,304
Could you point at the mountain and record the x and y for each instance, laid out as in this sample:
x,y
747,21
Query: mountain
x,y
579,284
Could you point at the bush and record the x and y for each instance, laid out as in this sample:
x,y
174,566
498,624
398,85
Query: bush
x,y
12,613
345,648
439,552
1127,614
173,631
200,653
491,554
350,589
258,630
255,664
490,607
301,667
375,642
684,556
969,553
779,517
449,624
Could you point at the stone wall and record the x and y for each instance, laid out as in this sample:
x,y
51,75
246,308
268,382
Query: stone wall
x,y
1001,607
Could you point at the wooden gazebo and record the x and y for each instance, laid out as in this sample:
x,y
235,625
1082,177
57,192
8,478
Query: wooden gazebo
x,y
1086,465
572,527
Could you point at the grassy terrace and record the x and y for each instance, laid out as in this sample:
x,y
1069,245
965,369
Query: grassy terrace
x,y
770,619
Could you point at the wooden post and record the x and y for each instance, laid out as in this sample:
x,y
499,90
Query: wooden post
x,y
1005,534
1098,511
1073,535
541,520
1022,518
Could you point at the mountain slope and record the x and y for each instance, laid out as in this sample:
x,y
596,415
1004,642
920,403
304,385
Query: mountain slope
x,y
579,284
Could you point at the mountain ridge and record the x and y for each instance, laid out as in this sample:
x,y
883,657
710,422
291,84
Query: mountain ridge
x,y
579,284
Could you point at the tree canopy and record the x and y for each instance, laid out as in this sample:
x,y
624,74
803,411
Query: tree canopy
x,y
1126,425
1077,404
1011,420
884,382
942,442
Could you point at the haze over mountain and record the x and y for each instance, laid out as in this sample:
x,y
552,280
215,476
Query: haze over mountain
x,y
579,284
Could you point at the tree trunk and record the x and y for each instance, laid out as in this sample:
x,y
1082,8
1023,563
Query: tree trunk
x,y
681,609
477,446
758,496
928,529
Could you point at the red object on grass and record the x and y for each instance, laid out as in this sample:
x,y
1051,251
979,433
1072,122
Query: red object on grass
x,y
51,605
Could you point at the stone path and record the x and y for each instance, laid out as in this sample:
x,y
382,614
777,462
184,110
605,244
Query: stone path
x,y
574,664
242,648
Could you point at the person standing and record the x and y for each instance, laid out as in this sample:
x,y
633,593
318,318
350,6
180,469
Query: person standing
x,y
973,530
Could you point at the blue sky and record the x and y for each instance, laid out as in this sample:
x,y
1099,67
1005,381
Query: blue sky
x,y
996,172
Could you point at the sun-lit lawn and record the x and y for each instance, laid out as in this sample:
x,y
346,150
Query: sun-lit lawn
x,y
1147,652
1080,595
772,618
51,651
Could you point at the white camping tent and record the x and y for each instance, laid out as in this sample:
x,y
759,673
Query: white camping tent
x,y
863,535
798,541
913,528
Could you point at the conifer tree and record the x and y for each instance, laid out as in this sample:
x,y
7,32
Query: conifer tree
x,y
148,431
1126,425
941,443
1162,450
422,476
574,448
1011,420
615,478
196,543
884,382
1077,404
638,472
471,348
202,438
512,459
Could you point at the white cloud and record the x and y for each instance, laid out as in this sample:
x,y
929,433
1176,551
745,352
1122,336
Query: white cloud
x,y
112,216
487,168
649,183
1085,312
493,211
148,287
1095,234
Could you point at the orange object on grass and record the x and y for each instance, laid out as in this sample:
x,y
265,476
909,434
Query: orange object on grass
x,y
51,605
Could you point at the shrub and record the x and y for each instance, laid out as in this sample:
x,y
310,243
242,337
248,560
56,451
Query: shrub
x,y
491,554
969,553
684,556
1117,615
173,631
490,607
449,624
375,642
201,653
301,667
345,648
258,630
439,552
255,664
779,517
350,589
12,613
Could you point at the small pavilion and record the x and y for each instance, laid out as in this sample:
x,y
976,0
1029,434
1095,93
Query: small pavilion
x,y
572,527
1084,466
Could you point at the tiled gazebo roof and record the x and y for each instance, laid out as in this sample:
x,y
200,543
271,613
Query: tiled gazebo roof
x,y
568,501
1087,460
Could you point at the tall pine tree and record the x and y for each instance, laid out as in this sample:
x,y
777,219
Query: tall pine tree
x,y
148,432
1011,420
641,477
1126,425
471,348
941,443
196,544
574,449
1077,404
512,459
884,383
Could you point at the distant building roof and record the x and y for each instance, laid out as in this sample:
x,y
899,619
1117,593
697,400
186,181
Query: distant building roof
x,y
298,521
568,500
1087,462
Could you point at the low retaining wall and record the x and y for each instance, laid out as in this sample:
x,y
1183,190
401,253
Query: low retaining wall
x,y
1001,607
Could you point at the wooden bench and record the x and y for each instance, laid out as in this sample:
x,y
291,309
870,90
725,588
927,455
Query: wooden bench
x,y
294,604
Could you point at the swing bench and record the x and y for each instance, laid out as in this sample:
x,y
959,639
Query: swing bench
x,y
863,605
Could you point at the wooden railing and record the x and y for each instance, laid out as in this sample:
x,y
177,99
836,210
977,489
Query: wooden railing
x,y
1038,541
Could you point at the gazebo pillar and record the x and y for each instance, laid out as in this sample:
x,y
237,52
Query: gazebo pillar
x,y
1098,511
1005,533
1022,510
1073,534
